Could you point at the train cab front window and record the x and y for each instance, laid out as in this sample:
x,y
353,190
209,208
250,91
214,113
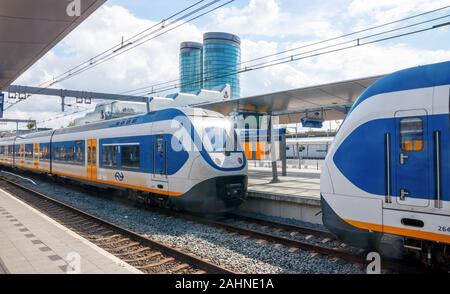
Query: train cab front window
x,y
218,135
411,134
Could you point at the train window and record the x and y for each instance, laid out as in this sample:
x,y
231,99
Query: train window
x,y
79,152
94,155
70,153
130,156
411,134
62,154
29,151
215,139
108,156
55,153
44,153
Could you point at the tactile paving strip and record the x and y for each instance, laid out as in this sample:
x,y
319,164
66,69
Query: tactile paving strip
x,y
58,260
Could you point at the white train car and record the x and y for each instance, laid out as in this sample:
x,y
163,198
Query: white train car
x,y
308,148
388,170
177,157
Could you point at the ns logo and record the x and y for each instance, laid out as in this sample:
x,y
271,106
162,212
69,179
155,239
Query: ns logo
x,y
119,176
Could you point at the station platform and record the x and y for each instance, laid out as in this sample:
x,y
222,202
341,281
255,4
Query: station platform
x,y
297,183
32,243
296,196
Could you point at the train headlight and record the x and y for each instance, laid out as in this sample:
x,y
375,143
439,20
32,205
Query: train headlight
x,y
239,160
218,161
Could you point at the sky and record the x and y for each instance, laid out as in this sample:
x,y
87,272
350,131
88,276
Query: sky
x,y
265,27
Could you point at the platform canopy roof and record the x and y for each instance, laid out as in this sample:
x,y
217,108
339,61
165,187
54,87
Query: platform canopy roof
x,y
30,28
330,100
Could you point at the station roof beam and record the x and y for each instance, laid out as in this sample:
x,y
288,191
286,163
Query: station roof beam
x,y
81,96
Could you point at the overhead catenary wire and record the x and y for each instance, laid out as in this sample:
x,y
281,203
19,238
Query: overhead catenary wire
x,y
160,26
315,53
142,40
298,57
130,39
294,57
141,89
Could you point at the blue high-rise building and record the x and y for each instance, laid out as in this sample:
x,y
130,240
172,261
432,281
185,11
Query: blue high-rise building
x,y
221,59
191,67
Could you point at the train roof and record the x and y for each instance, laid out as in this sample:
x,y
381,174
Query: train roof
x,y
432,75
159,115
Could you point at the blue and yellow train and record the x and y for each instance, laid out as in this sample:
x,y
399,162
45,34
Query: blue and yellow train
x,y
183,157
388,169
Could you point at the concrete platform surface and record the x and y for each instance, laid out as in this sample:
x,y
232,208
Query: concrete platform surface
x,y
296,196
298,183
32,243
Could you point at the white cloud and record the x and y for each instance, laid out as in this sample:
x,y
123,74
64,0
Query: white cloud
x,y
382,11
150,63
265,18
157,60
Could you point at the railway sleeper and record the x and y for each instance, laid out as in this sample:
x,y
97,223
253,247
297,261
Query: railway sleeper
x,y
177,269
156,264
150,256
126,246
140,250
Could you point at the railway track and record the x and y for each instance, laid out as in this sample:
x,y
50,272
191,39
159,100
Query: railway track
x,y
139,251
295,237
282,226
315,240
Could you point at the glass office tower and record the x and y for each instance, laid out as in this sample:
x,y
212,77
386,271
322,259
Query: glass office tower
x,y
191,66
221,59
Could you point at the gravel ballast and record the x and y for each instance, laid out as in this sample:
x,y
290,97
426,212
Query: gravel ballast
x,y
220,247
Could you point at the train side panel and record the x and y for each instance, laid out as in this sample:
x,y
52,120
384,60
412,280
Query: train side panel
x,y
391,155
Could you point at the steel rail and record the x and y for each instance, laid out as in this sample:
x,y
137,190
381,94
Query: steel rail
x,y
177,254
284,226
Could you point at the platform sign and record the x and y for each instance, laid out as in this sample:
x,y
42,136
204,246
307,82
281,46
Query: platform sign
x,y
2,101
257,143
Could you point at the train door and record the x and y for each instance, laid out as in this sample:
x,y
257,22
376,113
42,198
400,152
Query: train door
x,y
36,156
22,154
160,158
91,154
412,158
160,163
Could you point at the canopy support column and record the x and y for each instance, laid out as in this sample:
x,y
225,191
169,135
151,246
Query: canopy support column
x,y
283,155
273,153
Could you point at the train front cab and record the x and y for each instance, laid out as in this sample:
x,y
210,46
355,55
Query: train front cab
x,y
218,169
414,172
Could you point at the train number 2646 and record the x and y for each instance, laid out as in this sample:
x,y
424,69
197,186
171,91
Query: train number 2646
x,y
444,229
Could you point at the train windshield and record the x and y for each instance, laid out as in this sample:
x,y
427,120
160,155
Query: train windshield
x,y
217,134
